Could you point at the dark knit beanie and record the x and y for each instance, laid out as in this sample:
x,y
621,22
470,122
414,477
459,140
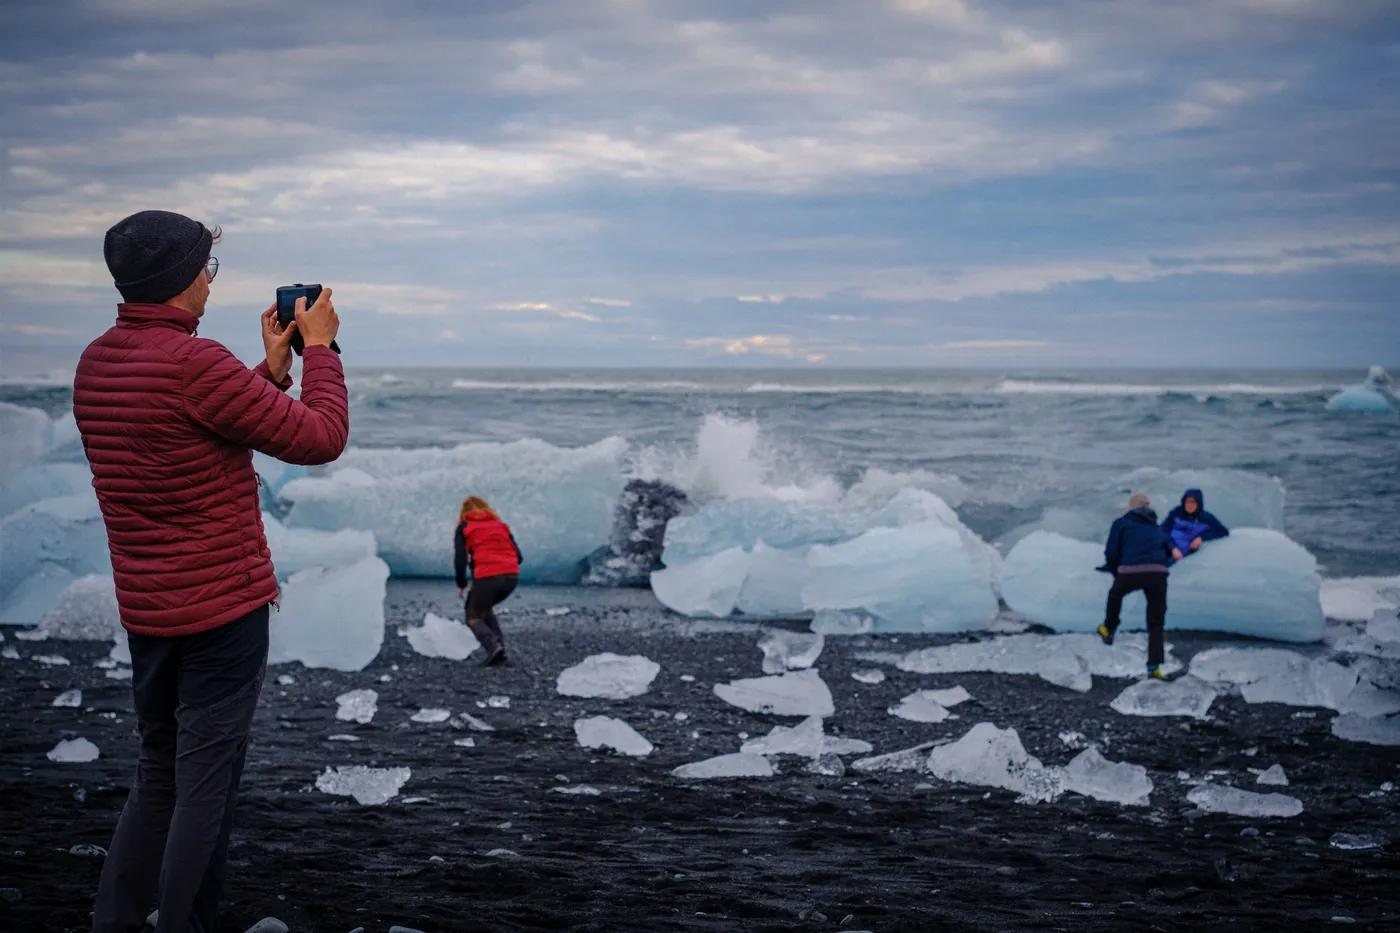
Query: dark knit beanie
x,y
155,255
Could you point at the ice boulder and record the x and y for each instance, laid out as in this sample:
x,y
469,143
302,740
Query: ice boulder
x,y
993,757
608,676
1373,730
442,638
1092,775
784,650
1185,696
558,501
369,786
296,549
1220,798
797,693
707,587
1374,396
331,618
1064,660
737,765
86,611
28,433
1358,599
806,739
773,587
44,546
1274,675
607,732
41,481
73,751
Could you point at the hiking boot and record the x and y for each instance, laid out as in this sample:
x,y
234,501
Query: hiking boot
x,y
1105,634
1156,673
497,655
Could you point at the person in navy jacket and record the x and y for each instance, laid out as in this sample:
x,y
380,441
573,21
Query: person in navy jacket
x,y
1189,525
1138,554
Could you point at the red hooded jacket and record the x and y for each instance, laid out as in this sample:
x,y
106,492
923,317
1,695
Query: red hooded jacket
x,y
169,422
484,541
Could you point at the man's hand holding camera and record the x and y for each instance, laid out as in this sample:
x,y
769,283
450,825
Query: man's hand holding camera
x,y
317,325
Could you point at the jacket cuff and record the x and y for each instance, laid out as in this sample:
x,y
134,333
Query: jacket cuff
x,y
262,370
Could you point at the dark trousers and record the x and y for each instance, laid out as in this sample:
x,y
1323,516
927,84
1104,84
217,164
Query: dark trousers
x,y
195,696
1154,587
482,598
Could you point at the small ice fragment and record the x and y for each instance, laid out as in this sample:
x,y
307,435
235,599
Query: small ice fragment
x,y
1094,776
607,732
1251,751
1221,798
797,693
1378,730
342,737
385,678
467,742
869,676
557,611
688,678
994,757
576,790
121,673
1273,776
69,698
609,676
431,715
73,751
828,765
104,664
357,706
468,721
286,680
502,853
369,786
9,653
498,702
681,717
121,650
31,634
1074,740
86,849
1185,696
927,705
1356,842
806,739
442,638
906,759
726,766
51,660
783,650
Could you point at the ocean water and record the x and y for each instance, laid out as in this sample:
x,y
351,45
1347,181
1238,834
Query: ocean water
x,y
1015,440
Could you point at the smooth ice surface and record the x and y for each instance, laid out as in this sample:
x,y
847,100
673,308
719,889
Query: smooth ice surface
x,y
442,638
920,706
773,585
275,474
607,732
558,501
430,715
296,549
369,786
1357,599
1185,696
1092,775
1373,730
783,650
806,739
736,765
1064,660
73,751
870,676
69,698
357,706
331,618
797,693
1255,582
27,433
1275,675
86,611
44,546
906,759
833,622
994,757
1376,395
608,676
707,587
41,481
1219,798
1272,776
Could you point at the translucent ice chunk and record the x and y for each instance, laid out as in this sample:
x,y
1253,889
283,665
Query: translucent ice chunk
x,y
737,765
121,651
43,547
869,676
1357,599
906,759
827,766
296,549
73,751
1272,776
832,622
357,706
1275,675
805,739
784,650
1092,775
607,732
442,638
577,790
41,481
369,786
431,715
920,706
558,501
1358,842
707,587
69,698
773,586
609,676
274,473
797,693
994,757
27,433
1185,696
1065,660
331,618
1374,396
86,611
1220,798
1373,730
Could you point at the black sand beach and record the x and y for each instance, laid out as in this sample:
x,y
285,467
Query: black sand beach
x,y
886,852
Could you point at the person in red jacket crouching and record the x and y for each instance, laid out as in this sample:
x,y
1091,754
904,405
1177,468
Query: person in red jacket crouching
x,y
484,543
169,421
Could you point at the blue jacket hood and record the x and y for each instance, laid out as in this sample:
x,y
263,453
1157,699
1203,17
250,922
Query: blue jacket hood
x,y
1196,494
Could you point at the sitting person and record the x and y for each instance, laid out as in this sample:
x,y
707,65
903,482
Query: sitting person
x,y
1137,556
1189,525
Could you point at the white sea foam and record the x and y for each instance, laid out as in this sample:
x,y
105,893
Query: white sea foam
x,y
1049,387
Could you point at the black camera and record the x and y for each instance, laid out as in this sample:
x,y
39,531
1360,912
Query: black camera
x,y
287,296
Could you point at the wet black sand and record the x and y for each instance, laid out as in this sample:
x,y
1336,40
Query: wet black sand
x,y
795,852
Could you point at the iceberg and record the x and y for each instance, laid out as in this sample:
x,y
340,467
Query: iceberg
x,y
1092,775
608,676
86,611
442,638
1220,798
993,757
331,618
1255,582
1375,396
773,587
737,765
44,546
789,650
73,751
707,587
369,786
357,706
297,549
797,693
607,732
1070,661
806,739
1185,696
558,501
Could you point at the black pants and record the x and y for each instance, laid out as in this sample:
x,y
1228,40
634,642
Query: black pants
x,y
195,696
482,598
1154,587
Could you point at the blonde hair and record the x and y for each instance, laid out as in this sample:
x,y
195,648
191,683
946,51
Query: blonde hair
x,y
475,504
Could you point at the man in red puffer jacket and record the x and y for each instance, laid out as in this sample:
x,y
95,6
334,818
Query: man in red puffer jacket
x,y
169,422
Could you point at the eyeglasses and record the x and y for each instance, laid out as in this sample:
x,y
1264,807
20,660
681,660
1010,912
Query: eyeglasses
x,y
211,268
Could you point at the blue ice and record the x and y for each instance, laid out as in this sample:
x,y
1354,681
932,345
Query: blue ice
x,y
1374,396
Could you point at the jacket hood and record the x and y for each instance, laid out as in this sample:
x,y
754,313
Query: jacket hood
x,y
1198,496
133,314
1144,514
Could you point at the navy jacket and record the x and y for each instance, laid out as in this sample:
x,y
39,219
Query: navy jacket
x,y
1183,528
1136,539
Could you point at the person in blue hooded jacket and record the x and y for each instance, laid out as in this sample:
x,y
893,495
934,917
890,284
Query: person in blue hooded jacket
x,y
1138,554
1189,525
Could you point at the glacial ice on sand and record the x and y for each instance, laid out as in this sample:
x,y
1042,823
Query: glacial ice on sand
x,y
86,611
1373,730
296,549
806,739
1374,396
707,587
73,751
28,434
331,618
608,676
44,546
1358,842
797,693
357,706
737,765
369,786
1357,599
783,650
69,698
1221,798
994,757
870,676
920,706
1064,660
1272,776
1185,696
1274,675
1092,775
607,732
1255,582
442,638
431,715
773,585
906,759
559,501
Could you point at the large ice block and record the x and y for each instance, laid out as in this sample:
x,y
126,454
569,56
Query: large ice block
x,y
773,586
1255,582
558,501
1357,599
296,549
1065,660
706,587
41,481
993,757
275,474
1275,675
27,433
43,547
86,611
796,693
1373,730
1374,396
331,618
1092,775
608,676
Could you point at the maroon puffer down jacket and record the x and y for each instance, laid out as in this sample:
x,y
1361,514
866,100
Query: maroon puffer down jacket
x,y
169,422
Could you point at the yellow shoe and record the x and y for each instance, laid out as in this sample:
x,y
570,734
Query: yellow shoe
x,y
1105,634
1156,673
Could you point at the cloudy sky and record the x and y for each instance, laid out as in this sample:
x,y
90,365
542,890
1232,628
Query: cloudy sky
x,y
814,182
